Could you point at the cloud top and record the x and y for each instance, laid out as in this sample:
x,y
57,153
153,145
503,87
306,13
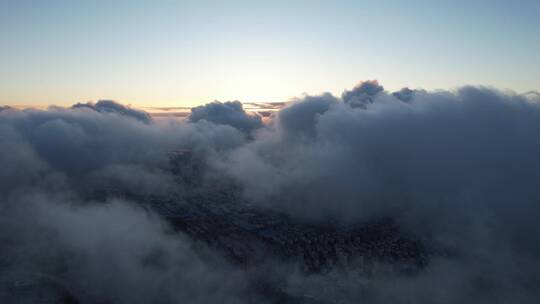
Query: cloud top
x,y
110,106
229,113
362,94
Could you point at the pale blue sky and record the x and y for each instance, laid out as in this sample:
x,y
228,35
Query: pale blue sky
x,y
184,53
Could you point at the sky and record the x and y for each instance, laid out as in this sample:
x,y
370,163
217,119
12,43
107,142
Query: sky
x,y
187,53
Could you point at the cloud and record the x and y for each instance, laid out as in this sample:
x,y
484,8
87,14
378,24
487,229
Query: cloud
x,y
300,117
405,94
456,169
77,146
58,241
110,106
114,253
362,94
227,113
397,151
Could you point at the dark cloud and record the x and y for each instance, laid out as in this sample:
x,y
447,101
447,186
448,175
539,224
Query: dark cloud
x,y
405,94
227,113
362,94
300,117
110,106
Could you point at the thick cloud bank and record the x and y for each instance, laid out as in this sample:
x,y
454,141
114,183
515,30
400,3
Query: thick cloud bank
x,y
228,113
363,94
54,163
109,106
457,169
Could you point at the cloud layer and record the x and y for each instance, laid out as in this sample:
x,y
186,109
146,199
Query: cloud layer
x,y
457,169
